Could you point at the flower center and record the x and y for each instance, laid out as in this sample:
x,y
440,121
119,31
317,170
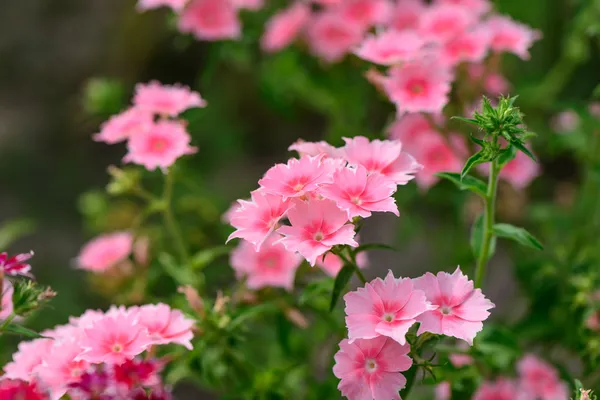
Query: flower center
x,y
446,310
319,236
370,365
298,187
356,200
388,317
117,348
158,144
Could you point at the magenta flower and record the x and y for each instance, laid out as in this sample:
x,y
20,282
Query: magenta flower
x,y
297,178
255,220
359,193
159,146
105,252
285,26
316,227
175,5
17,389
501,389
331,37
443,22
16,265
59,366
384,307
511,36
122,126
165,325
460,310
271,266
391,47
383,156
210,20
28,357
370,368
321,148
165,100
540,380
6,302
332,264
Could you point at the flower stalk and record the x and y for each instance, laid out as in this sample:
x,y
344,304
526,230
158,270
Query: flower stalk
x,y
488,223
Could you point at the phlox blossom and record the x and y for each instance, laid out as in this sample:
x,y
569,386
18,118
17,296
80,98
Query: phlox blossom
x,y
6,302
437,155
166,100
511,36
210,20
407,14
159,146
330,36
11,389
540,380
370,368
271,266
460,360
165,325
28,357
501,389
255,220
16,265
122,126
443,22
297,178
477,7
321,148
332,263
390,47
566,121
114,339
384,307
316,226
176,5
469,46
105,251
359,193
285,26
59,366
443,391
460,310
253,5
408,128
519,172
383,156
418,86
365,13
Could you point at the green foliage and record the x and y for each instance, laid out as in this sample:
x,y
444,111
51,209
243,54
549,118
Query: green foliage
x,y
519,235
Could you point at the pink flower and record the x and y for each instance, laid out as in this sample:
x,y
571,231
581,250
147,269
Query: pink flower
x,y
16,265
359,193
495,84
253,5
122,126
297,178
418,86
59,367
460,360
566,121
469,46
383,156
436,155
443,22
407,14
594,109
285,26
18,389
159,146
316,227
384,308
332,264
540,380
114,339
271,266
6,302
255,220
365,13
408,128
370,368
390,47
592,322
511,36
176,5
330,36
28,357
169,100
461,309
166,325
443,391
304,148
478,7
520,171
105,251
210,20
502,389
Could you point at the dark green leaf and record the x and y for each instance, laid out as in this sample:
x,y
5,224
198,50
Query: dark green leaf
x,y
507,155
15,329
180,273
249,313
466,183
341,280
467,120
204,257
477,140
520,146
517,234
477,239
373,246
474,160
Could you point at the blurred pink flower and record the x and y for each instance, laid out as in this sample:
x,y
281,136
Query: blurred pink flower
x,y
165,100
285,26
28,357
469,46
316,227
496,84
390,47
6,302
592,322
105,251
460,360
383,156
359,193
59,366
443,391
304,148
443,22
407,14
122,126
255,220
176,5
477,7
408,128
365,13
540,380
165,325
210,20
370,368
11,389
271,266
332,264
159,146
502,389
519,172
594,109
16,265
436,155
511,36
384,308
566,121
252,5
331,37
461,309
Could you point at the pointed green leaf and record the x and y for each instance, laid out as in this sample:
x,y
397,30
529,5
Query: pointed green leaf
x,y
15,329
341,280
204,257
373,246
520,146
477,140
517,234
477,239
467,182
467,120
474,160
507,155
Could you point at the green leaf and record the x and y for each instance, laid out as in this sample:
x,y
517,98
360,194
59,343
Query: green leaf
x,y
15,329
507,155
467,182
474,160
517,234
521,147
373,246
341,280
476,140
180,273
204,257
14,230
251,312
477,239
467,120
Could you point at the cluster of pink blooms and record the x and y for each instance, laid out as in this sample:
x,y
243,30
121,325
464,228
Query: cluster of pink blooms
x,y
112,250
378,317
322,194
155,136
100,354
11,266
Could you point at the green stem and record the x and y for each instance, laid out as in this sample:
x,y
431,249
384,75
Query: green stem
x,y
351,259
488,223
7,322
169,218
411,377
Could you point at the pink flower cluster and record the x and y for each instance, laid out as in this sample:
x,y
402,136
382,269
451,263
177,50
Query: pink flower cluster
x,y
100,343
15,265
155,137
378,317
321,194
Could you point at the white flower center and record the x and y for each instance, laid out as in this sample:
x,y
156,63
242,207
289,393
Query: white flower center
x,y
446,310
370,365
319,236
389,317
117,348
